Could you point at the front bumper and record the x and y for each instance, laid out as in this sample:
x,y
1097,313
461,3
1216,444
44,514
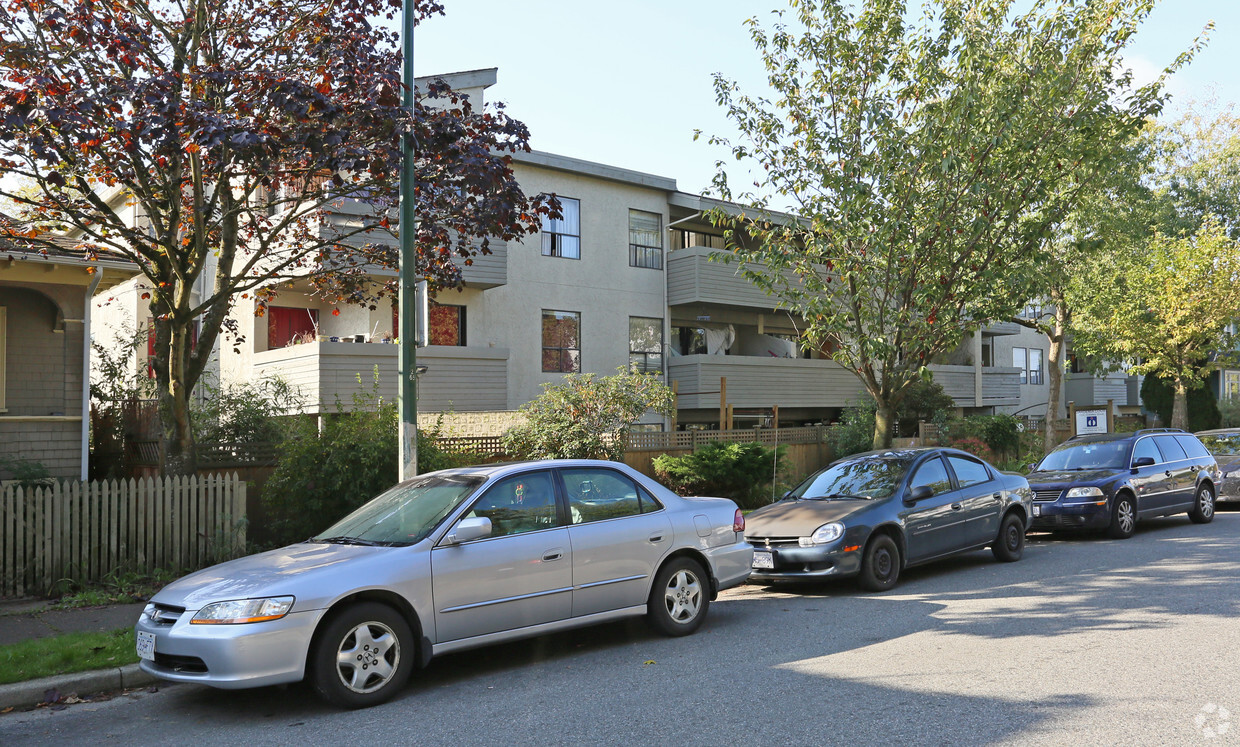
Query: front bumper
x,y
793,562
231,656
1061,514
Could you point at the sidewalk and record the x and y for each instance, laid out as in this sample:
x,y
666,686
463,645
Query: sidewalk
x,y
24,620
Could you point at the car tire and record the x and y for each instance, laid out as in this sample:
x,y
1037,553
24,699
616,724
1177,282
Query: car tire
x,y
880,566
679,598
1009,546
1203,507
371,636
1123,517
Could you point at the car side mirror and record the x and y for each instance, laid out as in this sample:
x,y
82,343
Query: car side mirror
x,y
1033,466
1144,461
468,529
920,493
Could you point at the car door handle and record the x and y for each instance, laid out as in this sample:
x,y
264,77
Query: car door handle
x,y
656,538
1167,473
956,507
997,496
552,555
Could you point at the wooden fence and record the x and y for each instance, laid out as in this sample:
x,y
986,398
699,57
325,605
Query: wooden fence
x,y
81,532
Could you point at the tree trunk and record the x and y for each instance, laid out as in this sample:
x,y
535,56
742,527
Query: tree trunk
x,y
1179,407
884,416
1054,372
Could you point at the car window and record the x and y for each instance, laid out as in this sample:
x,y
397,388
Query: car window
x,y
650,504
517,504
968,471
1086,455
1224,444
933,474
1170,448
1192,447
1145,448
599,494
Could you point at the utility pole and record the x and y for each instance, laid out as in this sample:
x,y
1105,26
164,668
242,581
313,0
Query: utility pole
x,y
407,391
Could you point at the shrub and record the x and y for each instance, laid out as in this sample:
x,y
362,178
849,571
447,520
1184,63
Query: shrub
x,y
735,471
323,474
1229,412
1000,435
586,417
854,433
248,413
1158,395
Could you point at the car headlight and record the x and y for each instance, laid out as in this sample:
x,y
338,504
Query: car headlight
x,y
824,534
243,611
1083,492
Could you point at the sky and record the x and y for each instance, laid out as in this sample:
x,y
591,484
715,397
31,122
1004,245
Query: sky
x,y
627,84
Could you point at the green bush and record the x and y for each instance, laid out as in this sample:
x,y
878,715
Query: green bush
x,y
854,433
1229,412
324,474
1000,434
737,471
247,413
1158,395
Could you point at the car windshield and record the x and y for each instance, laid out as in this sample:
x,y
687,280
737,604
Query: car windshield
x,y
405,514
1087,455
1222,444
871,477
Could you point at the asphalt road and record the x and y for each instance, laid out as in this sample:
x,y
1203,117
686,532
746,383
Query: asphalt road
x,y
1086,641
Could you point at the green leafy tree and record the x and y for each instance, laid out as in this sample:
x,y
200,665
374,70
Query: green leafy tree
x,y
1204,412
586,416
735,471
924,162
1167,307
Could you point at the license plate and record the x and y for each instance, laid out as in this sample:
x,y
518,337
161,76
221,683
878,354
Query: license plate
x,y
146,645
1037,510
763,559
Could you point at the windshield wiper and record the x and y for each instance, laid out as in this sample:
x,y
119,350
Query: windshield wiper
x,y
836,497
349,541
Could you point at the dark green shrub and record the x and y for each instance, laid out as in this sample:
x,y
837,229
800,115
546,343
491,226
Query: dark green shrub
x,y
1000,434
737,471
1158,395
854,433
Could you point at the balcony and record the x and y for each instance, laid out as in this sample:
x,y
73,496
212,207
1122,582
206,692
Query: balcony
x,y
327,374
1086,389
693,278
755,381
1000,385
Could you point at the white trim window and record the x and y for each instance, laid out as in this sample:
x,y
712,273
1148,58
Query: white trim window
x,y
561,237
645,240
1020,359
1035,366
1231,382
1029,361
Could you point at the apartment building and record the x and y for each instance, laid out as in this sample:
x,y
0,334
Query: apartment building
x,y
625,278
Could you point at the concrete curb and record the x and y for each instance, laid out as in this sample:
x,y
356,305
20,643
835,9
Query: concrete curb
x,y
33,692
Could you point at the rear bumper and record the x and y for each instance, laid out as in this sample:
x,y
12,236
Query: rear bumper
x,y
730,564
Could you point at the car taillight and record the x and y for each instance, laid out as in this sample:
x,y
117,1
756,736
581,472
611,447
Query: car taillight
x,y
738,521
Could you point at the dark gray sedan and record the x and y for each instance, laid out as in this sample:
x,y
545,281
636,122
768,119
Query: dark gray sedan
x,y
871,515
448,561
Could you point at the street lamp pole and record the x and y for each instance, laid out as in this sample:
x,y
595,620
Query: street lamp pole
x,y
407,392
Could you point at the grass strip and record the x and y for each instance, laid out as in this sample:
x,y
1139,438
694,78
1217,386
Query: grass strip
x,y
65,654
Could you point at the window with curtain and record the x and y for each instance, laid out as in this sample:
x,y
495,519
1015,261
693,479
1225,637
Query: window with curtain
x,y
645,240
561,237
284,325
645,344
561,341
1020,359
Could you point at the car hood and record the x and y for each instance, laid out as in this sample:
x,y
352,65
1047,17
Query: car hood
x,y
1063,477
799,518
278,572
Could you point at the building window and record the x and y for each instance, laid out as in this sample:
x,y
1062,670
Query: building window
x,y
447,325
988,354
1020,359
561,237
689,341
645,345
1231,379
1035,366
286,326
4,335
682,239
645,239
561,341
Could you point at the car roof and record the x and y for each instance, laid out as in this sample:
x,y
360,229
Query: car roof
x,y
501,468
1218,432
1099,437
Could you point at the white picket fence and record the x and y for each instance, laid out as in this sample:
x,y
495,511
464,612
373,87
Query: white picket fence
x,y
83,532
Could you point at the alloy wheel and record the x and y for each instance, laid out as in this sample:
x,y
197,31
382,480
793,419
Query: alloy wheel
x,y
683,596
368,657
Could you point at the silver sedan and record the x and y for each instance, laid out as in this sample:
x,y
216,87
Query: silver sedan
x,y
451,560
1224,445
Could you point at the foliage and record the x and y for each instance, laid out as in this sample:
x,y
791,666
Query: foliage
x,y
1158,396
119,586
736,471
249,412
323,474
26,472
66,654
586,416
1166,306
854,433
924,162
114,376
998,435
923,400
232,129
1229,412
